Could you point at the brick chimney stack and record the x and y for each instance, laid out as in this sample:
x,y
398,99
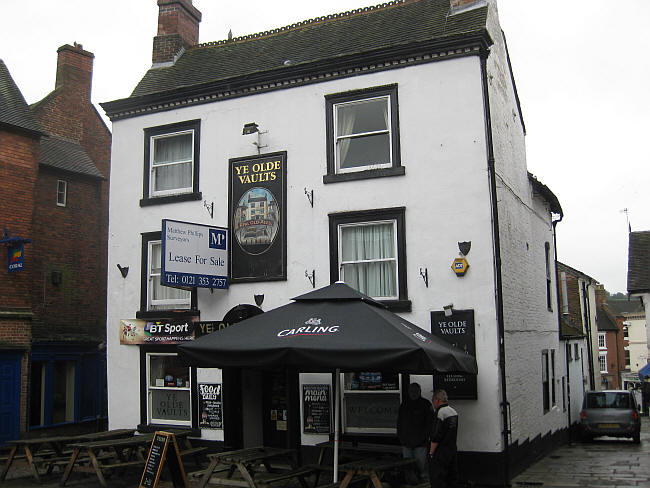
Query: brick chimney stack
x,y
601,295
74,70
178,28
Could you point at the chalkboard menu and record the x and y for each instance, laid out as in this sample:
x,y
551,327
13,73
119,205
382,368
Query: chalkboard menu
x,y
210,406
158,454
316,409
458,330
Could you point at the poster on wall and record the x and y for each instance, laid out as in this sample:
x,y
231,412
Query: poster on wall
x,y
257,218
457,330
173,331
210,406
316,409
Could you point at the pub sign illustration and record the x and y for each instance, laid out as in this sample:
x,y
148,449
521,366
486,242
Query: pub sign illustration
x,y
194,255
257,218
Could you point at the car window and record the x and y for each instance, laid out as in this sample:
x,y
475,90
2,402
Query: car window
x,y
608,400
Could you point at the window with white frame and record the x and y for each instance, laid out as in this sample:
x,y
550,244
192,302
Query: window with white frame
x,y
602,341
368,253
626,333
362,133
160,297
627,357
576,351
546,399
61,193
549,295
602,362
171,162
168,390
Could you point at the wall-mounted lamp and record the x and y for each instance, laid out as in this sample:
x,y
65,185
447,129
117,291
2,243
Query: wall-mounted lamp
x,y
449,309
259,299
424,273
252,128
124,270
311,277
310,196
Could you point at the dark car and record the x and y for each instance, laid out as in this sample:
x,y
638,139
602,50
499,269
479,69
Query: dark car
x,y
612,413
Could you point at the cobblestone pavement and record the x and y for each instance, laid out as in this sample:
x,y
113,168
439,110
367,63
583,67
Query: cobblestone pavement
x,y
604,462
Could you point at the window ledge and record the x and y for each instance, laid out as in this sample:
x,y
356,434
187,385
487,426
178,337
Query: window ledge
x,y
159,314
364,175
183,197
397,305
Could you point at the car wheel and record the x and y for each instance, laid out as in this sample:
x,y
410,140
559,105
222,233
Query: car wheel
x,y
637,438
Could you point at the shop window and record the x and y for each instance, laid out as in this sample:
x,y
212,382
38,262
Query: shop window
x,y
61,193
168,390
368,253
171,155
362,134
154,295
371,402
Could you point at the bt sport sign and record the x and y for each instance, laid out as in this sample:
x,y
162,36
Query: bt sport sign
x,y
194,255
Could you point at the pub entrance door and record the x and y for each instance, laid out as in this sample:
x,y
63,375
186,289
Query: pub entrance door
x,y
281,410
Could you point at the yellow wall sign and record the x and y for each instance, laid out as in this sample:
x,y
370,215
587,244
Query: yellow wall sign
x,y
460,266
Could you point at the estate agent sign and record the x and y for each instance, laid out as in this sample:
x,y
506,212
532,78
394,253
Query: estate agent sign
x,y
194,255
457,330
257,218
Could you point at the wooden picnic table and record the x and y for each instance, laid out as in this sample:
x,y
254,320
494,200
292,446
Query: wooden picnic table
x,y
106,455
245,461
37,457
374,469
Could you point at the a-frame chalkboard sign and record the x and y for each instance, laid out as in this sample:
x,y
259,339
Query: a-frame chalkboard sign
x,y
158,454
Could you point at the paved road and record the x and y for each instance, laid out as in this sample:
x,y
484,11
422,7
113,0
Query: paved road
x,y
605,462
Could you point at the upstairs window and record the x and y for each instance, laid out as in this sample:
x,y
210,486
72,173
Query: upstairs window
x,y
363,134
549,297
171,163
61,193
602,341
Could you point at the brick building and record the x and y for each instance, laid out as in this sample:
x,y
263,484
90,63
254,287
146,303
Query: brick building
x,y
54,164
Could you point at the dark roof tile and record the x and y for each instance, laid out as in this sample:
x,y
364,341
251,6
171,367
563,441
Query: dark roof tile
x,y
68,156
14,111
638,263
360,31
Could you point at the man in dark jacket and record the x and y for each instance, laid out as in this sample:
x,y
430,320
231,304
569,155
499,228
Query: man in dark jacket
x,y
443,453
413,427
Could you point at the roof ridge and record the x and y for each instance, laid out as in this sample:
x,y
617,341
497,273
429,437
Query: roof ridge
x,y
303,23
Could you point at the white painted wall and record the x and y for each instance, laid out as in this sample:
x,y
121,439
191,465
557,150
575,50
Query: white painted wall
x,y
638,341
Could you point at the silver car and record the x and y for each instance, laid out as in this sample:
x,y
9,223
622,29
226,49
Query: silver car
x,y
612,413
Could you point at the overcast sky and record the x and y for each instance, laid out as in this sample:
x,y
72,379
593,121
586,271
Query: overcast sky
x,y
581,66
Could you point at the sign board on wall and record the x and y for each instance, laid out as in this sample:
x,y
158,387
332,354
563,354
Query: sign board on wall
x,y
174,331
15,258
316,409
194,255
210,406
257,218
457,330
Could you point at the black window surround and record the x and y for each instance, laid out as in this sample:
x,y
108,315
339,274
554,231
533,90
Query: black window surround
x,y
331,101
143,313
402,304
195,194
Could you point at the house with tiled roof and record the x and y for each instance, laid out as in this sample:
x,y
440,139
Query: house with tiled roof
x,y
638,277
389,141
55,165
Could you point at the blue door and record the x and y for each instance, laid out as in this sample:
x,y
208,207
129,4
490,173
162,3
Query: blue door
x,y
9,397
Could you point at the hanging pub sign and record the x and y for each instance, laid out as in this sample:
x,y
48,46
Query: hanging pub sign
x,y
15,258
257,218
458,330
316,409
210,406
173,331
194,255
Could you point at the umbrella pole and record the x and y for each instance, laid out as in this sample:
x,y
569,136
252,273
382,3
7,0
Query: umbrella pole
x,y
337,418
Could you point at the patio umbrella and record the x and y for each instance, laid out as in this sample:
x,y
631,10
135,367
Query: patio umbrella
x,y
332,328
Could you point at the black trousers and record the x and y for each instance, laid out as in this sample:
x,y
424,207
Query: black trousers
x,y
443,469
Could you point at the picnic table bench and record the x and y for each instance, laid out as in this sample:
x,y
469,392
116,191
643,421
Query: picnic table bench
x,y
38,458
106,455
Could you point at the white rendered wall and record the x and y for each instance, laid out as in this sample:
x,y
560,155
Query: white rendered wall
x,y
525,226
442,138
637,339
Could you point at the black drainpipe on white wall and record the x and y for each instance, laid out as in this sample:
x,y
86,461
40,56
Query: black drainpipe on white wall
x,y
505,405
